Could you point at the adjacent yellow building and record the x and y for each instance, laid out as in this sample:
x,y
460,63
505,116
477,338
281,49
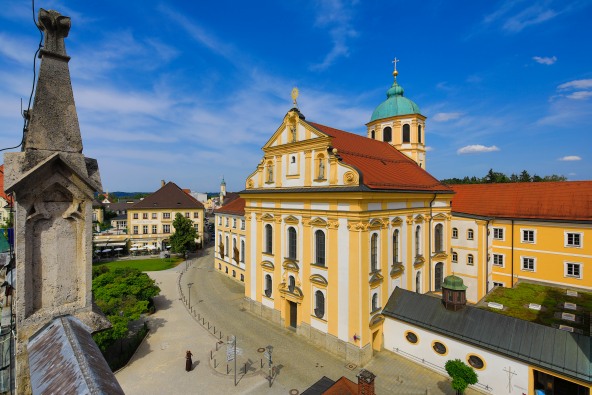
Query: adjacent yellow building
x,y
230,239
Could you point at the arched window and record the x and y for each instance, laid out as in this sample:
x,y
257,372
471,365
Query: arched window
x,y
268,239
406,133
220,245
242,251
470,260
372,134
387,134
268,285
235,251
375,302
419,133
454,233
291,284
418,282
470,234
374,252
439,238
396,246
418,241
319,304
320,247
292,243
438,276
226,247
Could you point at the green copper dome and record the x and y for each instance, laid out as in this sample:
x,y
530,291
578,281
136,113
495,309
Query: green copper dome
x,y
395,104
454,282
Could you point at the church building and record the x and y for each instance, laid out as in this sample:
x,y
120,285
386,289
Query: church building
x,y
336,221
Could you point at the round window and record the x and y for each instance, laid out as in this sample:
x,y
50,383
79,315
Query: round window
x,y
439,348
476,362
411,337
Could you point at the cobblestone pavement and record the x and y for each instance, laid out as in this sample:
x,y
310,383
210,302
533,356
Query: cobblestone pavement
x,y
216,300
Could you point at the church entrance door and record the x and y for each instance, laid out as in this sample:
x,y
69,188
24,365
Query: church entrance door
x,y
293,307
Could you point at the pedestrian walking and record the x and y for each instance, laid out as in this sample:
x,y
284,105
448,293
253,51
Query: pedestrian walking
x,y
188,361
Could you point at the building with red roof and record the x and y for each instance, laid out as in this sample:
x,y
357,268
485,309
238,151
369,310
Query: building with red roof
x,y
230,230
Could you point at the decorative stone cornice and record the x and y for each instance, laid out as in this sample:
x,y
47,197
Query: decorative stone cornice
x,y
290,219
319,280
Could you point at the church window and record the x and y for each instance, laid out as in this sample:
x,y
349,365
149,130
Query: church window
x,y
470,259
418,241
419,133
319,304
455,233
439,348
396,246
268,239
470,234
439,238
268,285
291,284
372,134
292,243
320,247
374,253
411,337
375,302
387,134
475,361
406,133
242,252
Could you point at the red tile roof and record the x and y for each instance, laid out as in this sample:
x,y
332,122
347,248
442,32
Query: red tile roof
x,y
381,165
343,386
235,207
169,196
567,200
2,193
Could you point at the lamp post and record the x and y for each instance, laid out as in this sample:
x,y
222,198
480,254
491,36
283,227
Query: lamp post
x,y
269,351
189,293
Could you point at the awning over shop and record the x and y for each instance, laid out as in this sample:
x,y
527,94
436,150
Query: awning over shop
x,y
110,243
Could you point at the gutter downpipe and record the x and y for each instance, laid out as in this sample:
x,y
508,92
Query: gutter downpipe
x,y
430,246
512,279
487,255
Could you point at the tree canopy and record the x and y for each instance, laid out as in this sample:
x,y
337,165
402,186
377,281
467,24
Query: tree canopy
x,y
123,295
462,375
184,237
497,177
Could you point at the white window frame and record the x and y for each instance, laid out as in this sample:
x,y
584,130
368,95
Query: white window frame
x,y
566,239
220,220
470,234
566,270
455,233
454,257
523,239
498,284
522,260
470,259
503,232
503,258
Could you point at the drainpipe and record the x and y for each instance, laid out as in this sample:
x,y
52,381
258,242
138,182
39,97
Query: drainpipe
x,y
430,247
512,250
487,256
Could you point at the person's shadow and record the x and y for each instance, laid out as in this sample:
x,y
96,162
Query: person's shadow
x,y
194,365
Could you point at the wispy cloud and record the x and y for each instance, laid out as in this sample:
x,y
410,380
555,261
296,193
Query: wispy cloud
x,y
579,95
545,60
570,158
446,116
476,148
12,48
576,84
335,15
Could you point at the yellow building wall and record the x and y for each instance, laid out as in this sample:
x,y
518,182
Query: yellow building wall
x,y
227,265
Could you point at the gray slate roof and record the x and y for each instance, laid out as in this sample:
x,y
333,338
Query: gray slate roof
x,y
563,352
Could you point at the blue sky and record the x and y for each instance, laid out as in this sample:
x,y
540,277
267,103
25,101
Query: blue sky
x,y
190,91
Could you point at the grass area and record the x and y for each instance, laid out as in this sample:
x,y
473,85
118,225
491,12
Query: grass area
x,y
517,299
145,265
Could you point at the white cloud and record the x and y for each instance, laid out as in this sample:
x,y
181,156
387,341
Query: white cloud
x,y
576,84
545,60
14,48
428,148
446,116
336,15
579,95
570,158
476,148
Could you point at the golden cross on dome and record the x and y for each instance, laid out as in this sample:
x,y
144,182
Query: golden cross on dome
x,y
395,61
295,96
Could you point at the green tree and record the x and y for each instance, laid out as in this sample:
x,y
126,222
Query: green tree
x,y
123,295
462,375
525,177
184,237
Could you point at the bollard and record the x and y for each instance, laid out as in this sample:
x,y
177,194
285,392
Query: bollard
x,y
203,321
262,364
214,329
227,369
245,368
208,325
220,335
216,346
211,355
198,316
215,364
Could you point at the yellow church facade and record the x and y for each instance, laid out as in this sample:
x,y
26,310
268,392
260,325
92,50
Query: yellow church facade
x,y
334,223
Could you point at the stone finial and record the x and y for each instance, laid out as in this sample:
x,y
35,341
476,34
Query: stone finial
x,y
56,27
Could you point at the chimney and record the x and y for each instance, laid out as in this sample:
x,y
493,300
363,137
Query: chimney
x,y
366,382
162,183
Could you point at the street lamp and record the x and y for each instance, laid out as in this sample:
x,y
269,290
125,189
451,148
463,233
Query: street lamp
x,y
189,293
269,351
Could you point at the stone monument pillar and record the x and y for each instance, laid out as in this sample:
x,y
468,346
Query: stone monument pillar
x,y
53,186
